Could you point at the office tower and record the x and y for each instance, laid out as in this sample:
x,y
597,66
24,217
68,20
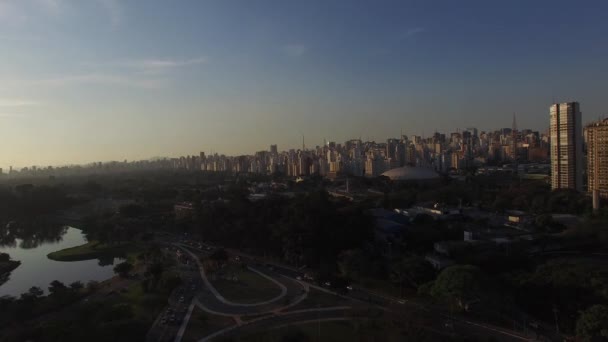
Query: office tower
x,y
513,150
273,149
597,159
566,146
391,145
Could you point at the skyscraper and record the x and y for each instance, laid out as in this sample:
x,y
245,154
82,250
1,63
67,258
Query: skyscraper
x,y
566,146
597,158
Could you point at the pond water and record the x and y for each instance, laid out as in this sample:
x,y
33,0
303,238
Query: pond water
x,y
38,270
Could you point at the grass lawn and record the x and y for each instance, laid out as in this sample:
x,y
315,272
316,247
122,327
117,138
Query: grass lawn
x,y
92,250
203,324
146,306
249,288
322,299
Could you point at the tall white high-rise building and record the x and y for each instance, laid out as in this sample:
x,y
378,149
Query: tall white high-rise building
x,y
566,146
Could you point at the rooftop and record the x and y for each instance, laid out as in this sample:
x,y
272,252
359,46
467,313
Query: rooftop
x,y
411,173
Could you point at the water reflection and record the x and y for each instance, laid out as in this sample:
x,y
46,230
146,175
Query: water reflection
x,y
30,233
31,248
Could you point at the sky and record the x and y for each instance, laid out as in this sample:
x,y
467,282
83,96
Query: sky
x,y
98,80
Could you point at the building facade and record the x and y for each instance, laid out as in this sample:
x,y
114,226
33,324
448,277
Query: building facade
x,y
566,146
597,158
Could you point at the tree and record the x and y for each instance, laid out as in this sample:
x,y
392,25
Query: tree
x,y
545,223
92,285
592,324
131,210
57,287
413,271
34,292
123,269
219,255
170,281
77,285
155,269
4,257
458,284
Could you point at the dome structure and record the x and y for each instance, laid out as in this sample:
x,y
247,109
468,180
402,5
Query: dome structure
x,y
411,173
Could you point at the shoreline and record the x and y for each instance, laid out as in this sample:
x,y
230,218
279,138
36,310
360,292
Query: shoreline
x,y
6,268
90,250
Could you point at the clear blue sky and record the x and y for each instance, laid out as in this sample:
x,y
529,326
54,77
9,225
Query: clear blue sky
x,y
92,80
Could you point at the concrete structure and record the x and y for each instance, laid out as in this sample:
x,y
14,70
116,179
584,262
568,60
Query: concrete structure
x,y
411,173
597,160
566,146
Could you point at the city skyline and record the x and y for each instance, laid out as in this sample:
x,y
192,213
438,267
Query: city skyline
x,y
234,78
303,146
309,145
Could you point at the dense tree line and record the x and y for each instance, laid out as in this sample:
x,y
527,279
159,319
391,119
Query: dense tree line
x,y
310,229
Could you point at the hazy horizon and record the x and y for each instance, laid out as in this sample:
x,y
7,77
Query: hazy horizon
x,y
85,81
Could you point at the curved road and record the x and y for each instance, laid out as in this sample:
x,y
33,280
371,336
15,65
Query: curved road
x,y
221,298
294,291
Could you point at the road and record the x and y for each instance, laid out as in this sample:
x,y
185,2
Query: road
x,y
210,300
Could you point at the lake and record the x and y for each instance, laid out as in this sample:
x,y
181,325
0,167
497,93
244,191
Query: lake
x,y
37,270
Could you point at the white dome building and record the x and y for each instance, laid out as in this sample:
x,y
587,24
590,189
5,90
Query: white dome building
x,y
411,173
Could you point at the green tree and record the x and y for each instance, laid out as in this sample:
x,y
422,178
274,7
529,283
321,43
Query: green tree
x,y
592,324
156,269
92,285
123,269
57,287
413,272
34,292
458,284
219,255
4,257
170,281
77,285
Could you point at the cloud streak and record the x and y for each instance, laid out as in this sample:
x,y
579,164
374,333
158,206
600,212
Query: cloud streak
x,y
158,65
412,32
151,65
16,103
96,79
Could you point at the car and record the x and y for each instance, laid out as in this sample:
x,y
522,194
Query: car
x,y
298,278
327,283
349,288
401,301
